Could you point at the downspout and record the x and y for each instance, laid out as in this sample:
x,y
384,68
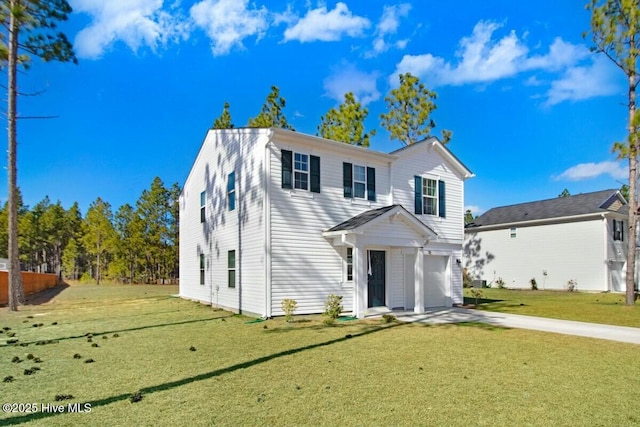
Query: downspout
x,y
267,226
239,255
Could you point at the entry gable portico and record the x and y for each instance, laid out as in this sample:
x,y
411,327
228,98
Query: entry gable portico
x,y
375,231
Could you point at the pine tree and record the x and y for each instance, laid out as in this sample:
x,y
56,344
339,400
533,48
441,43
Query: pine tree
x,y
271,114
410,106
224,121
346,124
615,25
28,31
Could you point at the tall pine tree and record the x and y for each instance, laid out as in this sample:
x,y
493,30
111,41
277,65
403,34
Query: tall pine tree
x,y
29,32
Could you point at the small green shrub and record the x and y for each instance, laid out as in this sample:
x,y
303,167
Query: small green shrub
x,y
333,306
467,281
572,285
289,306
388,318
500,283
534,284
477,294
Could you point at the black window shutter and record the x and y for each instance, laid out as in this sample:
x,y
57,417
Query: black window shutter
x,y
442,204
371,184
347,179
314,168
418,195
287,168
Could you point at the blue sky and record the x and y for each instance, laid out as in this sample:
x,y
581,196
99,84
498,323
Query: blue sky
x,y
531,109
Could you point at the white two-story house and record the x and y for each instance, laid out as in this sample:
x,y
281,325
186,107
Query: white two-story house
x,y
269,214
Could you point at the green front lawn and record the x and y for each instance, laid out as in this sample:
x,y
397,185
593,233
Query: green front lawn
x,y
199,367
605,308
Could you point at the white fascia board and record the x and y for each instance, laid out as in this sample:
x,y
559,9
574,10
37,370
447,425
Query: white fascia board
x,y
545,221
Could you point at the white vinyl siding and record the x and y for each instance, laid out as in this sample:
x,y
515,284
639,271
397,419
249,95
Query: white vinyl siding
x,y
569,251
222,231
304,265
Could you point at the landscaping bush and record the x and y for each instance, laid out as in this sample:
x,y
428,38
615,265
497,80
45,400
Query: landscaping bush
x,y
332,307
467,281
500,283
289,306
477,294
572,285
534,284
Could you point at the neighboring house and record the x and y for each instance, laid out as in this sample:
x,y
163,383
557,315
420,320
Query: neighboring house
x,y
580,238
269,214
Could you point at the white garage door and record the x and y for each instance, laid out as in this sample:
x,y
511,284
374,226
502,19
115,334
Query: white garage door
x,y
435,280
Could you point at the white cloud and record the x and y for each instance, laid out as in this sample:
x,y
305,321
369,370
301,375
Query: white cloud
x,y
137,23
584,171
322,24
561,55
346,78
388,25
481,58
228,22
583,82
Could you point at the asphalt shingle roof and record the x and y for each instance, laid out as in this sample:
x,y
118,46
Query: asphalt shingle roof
x,y
580,204
361,219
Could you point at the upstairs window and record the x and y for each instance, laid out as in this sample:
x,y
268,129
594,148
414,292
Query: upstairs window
x,y
430,197
231,190
300,171
359,182
618,230
513,232
203,203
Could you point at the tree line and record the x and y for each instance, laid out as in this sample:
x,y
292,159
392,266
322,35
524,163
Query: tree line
x,y
407,119
134,244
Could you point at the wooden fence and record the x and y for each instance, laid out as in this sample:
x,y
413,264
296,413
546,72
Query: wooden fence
x,y
32,283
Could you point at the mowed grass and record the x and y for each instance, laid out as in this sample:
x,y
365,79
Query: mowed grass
x,y
358,373
607,308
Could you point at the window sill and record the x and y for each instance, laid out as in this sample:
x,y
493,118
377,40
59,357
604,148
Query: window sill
x,y
346,285
301,193
361,202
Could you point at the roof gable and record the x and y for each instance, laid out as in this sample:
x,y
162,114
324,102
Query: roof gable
x,y
598,202
367,219
447,155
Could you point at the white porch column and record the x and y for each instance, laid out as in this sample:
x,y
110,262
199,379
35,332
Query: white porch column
x,y
359,282
418,271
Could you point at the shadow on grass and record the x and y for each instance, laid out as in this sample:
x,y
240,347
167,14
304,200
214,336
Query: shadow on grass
x,y
472,301
317,327
138,328
44,296
201,377
480,325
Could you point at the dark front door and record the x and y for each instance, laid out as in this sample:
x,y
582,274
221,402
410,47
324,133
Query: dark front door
x,y
376,272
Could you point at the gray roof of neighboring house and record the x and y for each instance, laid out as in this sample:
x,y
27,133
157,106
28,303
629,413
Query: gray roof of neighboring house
x,y
361,219
580,204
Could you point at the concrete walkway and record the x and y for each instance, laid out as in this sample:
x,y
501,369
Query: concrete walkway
x,y
567,327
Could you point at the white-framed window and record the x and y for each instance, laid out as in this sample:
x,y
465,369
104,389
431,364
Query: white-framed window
x,y
349,264
202,264
359,182
301,171
618,230
512,232
430,196
203,203
231,266
231,191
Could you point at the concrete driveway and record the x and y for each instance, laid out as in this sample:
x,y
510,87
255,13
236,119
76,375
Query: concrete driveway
x,y
567,327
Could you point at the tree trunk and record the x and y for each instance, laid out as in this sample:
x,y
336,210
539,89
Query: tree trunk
x,y
16,292
633,200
